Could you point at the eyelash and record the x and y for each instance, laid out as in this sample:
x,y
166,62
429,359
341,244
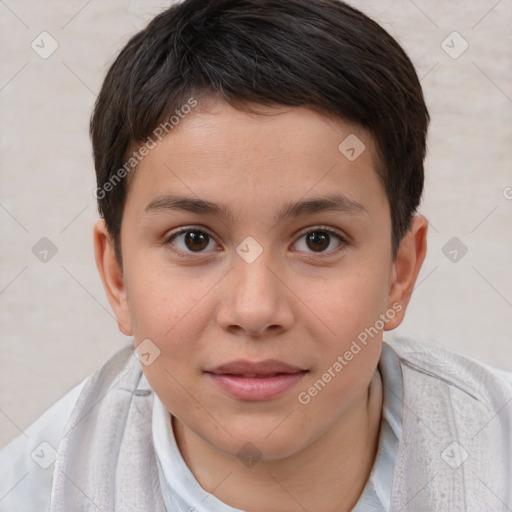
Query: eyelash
x,y
197,229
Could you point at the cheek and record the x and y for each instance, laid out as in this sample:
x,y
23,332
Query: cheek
x,y
350,302
163,300
170,307
348,350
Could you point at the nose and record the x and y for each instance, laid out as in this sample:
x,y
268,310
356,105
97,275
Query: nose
x,y
256,300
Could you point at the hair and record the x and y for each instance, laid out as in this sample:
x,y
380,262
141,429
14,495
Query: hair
x,y
320,54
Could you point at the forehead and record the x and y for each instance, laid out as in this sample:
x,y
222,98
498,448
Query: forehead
x,y
228,153
255,128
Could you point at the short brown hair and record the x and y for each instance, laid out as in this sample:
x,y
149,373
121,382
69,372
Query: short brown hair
x,y
320,54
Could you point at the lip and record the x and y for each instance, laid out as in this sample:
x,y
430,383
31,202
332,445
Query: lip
x,y
259,368
256,381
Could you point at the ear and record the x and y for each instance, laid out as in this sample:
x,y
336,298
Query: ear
x,y
112,276
406,268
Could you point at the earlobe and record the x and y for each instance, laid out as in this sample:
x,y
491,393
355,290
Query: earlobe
x,y
112,277
406,268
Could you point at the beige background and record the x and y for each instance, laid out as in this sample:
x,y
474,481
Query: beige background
x,y
55,322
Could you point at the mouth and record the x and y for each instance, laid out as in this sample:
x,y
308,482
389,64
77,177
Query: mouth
x,y
256,381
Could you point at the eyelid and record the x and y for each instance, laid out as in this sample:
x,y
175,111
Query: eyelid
x,y
321,227
185,229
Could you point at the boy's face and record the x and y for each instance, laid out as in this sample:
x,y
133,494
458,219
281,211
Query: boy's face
x,y
254,286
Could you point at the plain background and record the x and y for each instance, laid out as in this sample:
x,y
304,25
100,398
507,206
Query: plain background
x,y
56,324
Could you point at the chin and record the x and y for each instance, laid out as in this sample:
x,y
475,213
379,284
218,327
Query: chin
x,y
250,445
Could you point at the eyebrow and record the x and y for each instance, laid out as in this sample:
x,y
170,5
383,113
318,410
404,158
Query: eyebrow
x,y
333,202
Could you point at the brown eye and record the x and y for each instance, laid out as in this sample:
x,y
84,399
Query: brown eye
x,y
190,241
196,240
318,240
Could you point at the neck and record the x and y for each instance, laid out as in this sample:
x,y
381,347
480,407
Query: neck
x,y
329,475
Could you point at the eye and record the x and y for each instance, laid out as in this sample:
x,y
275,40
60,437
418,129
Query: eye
x,y
319,239
190,240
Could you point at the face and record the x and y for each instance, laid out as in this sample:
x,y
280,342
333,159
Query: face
x,y
231,254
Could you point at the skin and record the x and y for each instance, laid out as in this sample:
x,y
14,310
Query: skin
x,y
297,302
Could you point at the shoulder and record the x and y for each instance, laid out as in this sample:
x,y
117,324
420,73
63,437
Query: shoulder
x,y
27,463
455,429
464,395
469,375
